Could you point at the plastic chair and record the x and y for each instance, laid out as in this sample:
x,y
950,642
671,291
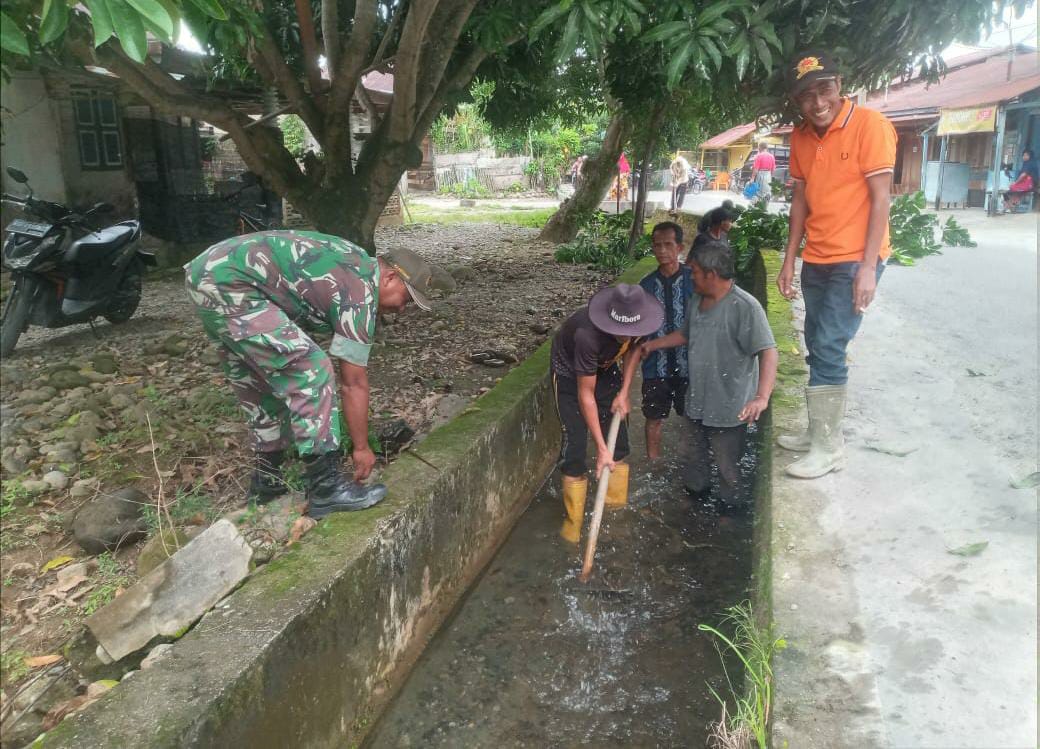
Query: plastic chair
x,y
721,181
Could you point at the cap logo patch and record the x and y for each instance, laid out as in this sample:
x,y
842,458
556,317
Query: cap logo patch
x,y
807,65
617,317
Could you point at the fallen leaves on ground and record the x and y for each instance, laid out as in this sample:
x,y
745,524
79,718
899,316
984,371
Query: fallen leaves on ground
x,y
969,550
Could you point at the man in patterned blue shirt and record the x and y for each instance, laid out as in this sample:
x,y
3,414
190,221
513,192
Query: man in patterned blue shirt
x,y
666,373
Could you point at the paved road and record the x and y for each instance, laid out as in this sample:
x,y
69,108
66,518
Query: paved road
x,y
896,641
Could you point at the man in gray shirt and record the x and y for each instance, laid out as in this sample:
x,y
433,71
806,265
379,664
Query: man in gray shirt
x,y
732,368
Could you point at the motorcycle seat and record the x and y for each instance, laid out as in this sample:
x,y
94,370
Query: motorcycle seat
x,y
97,244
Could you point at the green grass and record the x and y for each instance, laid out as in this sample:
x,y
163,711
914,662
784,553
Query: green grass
x,y
745,710
110,578
534,218
12,666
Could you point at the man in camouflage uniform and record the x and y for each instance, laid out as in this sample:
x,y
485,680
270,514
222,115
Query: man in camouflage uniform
x,y
255,295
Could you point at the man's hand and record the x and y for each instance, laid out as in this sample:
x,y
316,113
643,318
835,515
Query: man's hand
x,y
785,281
364,462
604,459
642,351
621,404
753,409
863,288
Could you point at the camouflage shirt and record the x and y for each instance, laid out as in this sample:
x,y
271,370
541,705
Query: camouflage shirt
x,y
323,283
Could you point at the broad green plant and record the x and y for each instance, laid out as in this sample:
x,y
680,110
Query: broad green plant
x,y
603,243
913,230
757,229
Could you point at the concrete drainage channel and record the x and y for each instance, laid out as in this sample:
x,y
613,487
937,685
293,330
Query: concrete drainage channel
x,y
310,651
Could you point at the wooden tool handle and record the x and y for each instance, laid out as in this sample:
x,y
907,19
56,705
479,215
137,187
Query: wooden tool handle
x,y
601,495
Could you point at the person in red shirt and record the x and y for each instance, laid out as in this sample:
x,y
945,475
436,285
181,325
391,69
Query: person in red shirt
x,y
762,169
842,158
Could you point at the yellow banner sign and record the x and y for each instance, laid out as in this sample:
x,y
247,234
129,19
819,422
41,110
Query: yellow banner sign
x,y
972,120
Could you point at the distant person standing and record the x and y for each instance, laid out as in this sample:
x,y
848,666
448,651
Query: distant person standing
x,y
842,159
762,170
576,170
680,169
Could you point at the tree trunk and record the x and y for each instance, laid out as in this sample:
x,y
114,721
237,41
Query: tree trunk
x,y
596,176
639,209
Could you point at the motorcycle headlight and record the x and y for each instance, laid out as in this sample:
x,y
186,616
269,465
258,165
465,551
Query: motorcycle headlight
x,y
20,254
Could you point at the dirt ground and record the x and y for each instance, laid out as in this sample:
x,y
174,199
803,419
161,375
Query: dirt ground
x,y
144,405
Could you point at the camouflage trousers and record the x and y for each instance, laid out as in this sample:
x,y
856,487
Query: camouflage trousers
x,y
283,381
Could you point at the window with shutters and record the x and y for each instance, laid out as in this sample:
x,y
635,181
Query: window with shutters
x,y
97,131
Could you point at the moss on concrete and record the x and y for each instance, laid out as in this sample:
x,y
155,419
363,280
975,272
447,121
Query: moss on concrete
x,y
784,405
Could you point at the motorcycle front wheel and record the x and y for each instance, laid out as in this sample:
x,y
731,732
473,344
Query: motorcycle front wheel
x,y
16,316
128,295
697,187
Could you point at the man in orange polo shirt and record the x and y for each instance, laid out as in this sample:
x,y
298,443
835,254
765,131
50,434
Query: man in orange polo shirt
x,y
842,158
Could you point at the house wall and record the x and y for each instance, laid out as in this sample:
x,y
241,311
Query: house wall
x,y
30,138
83,186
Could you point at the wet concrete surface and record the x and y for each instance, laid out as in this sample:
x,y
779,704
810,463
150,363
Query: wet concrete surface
x,y
533,658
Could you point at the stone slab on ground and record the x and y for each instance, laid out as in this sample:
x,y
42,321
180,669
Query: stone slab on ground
x,y
902,633
171,597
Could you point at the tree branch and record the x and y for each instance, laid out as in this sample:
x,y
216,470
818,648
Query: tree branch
x,y
309,42
330,32
449,20
395,21
289,84
346,78
403,112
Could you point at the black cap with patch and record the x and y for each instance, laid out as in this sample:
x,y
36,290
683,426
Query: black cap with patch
x,y
807,68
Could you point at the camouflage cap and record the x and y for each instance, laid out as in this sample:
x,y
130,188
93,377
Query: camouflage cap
x,y
420,278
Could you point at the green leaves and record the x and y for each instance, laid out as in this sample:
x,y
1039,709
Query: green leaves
x,y
129,29
11,37
156,17
101,20
211,8
969,550
54,20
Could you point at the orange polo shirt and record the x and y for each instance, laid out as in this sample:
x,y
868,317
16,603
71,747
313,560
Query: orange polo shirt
x,y
859,144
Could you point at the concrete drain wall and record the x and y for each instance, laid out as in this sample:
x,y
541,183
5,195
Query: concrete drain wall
x,y
310,650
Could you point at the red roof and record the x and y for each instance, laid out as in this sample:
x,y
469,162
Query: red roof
x,y
972,81
381,82
730,136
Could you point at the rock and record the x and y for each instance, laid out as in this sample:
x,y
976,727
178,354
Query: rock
x,y
62,410
170,598
81,652
42,395
467,203
43,694
448,407
463,273
61,458
121,401
395,435
83,488
154,552
56,479
175,345
111,521
24,452
95,378
155,655
104,363
11,463
55,447
210,356
34,486
539,328
67,379
88,447
82,433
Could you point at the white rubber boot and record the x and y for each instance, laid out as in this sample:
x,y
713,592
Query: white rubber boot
x,y
798,443
826,406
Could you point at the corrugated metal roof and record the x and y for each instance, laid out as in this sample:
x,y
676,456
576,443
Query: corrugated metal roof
x,y
972,81
729,136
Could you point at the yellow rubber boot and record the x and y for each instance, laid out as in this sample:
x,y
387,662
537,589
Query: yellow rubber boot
x,y
574,491
617,486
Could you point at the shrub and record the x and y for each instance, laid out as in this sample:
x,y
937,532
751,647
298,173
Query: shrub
x,y
603,243
913,232
754,230
294,135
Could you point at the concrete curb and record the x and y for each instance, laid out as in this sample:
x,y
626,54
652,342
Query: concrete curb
x,y
311,649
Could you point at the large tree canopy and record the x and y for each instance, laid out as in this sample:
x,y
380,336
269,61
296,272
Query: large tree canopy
x,y
639,53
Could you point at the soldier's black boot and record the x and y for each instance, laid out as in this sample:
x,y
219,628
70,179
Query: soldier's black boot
x,y
267,482
328,491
